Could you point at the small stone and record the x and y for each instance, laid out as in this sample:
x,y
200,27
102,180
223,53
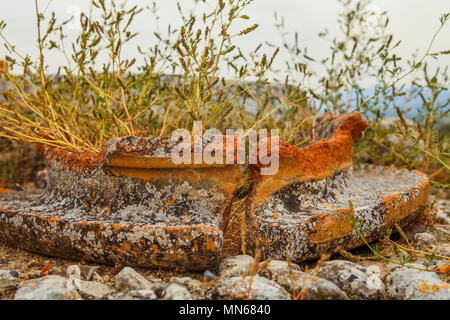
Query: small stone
x,y
182,280
160,289
424,239
306,287
403,283
209,276
235,266
133,295
276,268
91,289
177,292
14,273
260,288
315,288
47,288
130,279
355,280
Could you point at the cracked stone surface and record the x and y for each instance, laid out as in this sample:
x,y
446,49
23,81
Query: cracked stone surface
x,y
150,216
132,205
287,224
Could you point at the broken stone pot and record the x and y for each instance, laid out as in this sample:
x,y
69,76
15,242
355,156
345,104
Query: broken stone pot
x,y
303,211
131,205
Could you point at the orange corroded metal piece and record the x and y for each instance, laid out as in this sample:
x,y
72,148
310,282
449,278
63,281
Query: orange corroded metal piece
x,y
127,205
303,211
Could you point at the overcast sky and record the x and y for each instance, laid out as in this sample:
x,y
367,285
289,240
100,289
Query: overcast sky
x,y
412,21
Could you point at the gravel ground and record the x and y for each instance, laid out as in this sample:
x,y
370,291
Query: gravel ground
x,y
273,281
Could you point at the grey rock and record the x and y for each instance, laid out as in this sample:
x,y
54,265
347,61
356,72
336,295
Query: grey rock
x,y
160,289
442,231
133,295
316,288
235,266
130,279
306,287
209,276
258,288
442,249
276,268
177,292
181,280
91,289
424,239
443,210
7,275
14,273
47,288
355,280
194,286
404,283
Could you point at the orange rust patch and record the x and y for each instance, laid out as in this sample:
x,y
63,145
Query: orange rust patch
x,y
435,288
332,225
72,160
396,209
423,286
445,268
210,245
315,162
227,177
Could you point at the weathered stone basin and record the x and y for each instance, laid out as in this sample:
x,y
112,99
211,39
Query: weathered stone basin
x,y
131,206
134,206
303,211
